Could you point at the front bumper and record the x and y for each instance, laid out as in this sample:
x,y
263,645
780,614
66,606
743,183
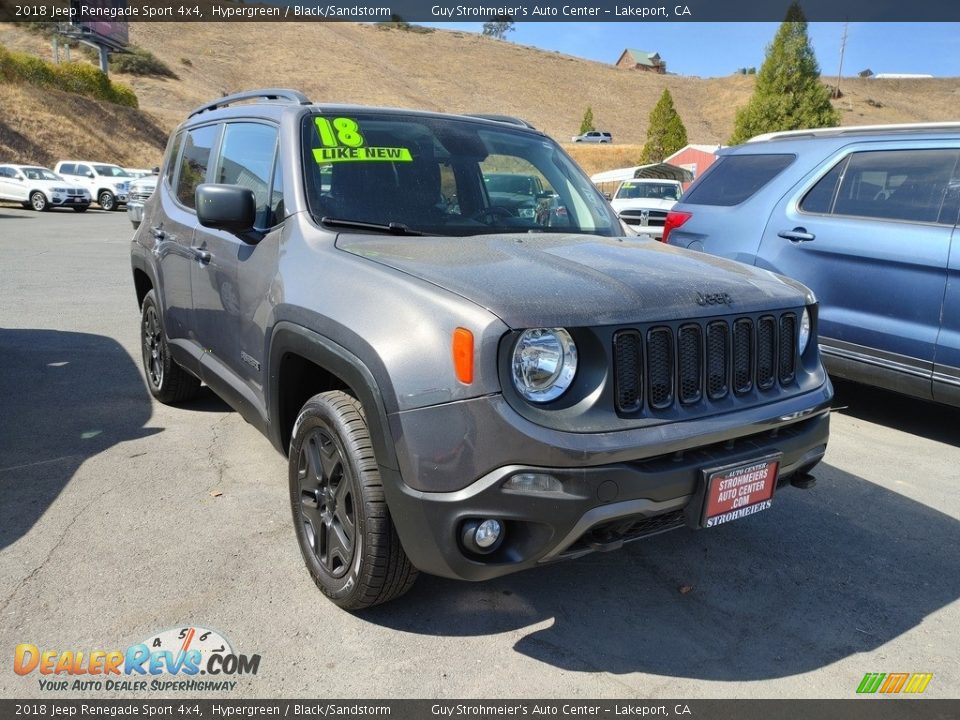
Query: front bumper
x,y
610,494
70,200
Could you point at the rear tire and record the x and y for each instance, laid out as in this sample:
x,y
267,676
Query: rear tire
x,y
340,515
168,382
38,201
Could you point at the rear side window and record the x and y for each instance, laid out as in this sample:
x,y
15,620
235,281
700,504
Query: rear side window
x,y
170,167
907,185
734,179
194,161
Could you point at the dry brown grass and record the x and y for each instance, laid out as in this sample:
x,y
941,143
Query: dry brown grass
x,y
461,72
44,126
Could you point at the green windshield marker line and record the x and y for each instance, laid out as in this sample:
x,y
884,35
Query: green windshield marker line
x,y
325,132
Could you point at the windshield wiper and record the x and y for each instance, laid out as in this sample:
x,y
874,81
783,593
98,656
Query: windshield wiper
x,y
394,228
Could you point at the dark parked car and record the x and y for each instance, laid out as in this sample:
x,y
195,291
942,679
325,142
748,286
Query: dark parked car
x,y
867,218
458,389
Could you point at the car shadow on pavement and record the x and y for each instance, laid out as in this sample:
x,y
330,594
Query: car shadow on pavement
x,y
67,396
917,417
825,574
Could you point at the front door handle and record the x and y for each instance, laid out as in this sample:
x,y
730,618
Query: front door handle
x,y
797,235
203,256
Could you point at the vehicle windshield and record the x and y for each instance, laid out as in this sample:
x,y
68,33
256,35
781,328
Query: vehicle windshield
x,y
36,173
513,184
659,191
446,176
111,171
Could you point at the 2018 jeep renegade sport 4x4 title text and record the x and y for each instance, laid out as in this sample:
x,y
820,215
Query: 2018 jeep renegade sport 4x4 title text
x,y
462,389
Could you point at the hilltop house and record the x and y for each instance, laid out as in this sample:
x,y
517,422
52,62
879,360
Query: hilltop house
x,y
642,60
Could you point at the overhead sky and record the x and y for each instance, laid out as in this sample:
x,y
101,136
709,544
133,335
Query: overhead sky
x,y
716,49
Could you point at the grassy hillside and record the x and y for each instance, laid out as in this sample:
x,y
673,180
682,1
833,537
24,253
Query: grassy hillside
x,y
461,72
43,126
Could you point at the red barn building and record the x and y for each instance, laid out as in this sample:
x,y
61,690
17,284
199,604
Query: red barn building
x,y
695,158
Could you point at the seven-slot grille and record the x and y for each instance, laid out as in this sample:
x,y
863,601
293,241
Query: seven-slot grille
x,y
682,364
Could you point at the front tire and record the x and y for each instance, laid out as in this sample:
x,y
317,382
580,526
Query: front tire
x,y
340,516
38,201
107,200
168,382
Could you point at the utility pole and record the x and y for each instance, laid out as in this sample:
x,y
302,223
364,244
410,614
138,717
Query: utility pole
x,y
843,47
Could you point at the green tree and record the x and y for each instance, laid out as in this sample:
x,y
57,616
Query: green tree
x,y
788,94
586,125
498,27
666,133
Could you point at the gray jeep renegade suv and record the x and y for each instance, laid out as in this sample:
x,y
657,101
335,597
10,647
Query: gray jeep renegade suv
x,y
462,389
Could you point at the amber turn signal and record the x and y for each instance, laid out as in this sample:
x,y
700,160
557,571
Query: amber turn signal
x,y
463,355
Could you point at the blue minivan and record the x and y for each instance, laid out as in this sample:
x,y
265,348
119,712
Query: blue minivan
x,y
864,216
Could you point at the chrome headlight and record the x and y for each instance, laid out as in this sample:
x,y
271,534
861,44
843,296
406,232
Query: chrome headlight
x,y
544,364
804,331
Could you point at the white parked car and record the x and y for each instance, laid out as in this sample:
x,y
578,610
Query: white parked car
x,y
137,173
643,203
594,136
109,184
140,191
41,189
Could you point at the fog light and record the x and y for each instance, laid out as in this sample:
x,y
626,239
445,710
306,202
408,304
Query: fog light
x,y
487,533
533,483
482,536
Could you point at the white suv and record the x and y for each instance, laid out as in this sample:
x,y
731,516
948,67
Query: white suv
x,y
594,136
109,184
41,189
643,203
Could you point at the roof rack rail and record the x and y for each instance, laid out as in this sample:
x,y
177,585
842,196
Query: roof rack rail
x,y
509,119
292,96
857,130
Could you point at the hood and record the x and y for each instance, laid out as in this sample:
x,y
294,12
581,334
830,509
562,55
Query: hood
x,y
144,183
619,205
579,280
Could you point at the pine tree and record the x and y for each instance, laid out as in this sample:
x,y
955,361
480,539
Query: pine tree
x,y
586,125
666,133
788,94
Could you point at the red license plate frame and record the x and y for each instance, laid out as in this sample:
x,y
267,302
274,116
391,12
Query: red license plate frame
x,y
739,490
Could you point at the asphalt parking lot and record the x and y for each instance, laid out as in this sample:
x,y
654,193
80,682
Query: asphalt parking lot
x,y
120,518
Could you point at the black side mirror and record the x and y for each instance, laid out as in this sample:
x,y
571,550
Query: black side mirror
x,y
608,196
228,207
155,171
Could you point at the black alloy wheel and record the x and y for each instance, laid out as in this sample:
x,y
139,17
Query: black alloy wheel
x,y
327,502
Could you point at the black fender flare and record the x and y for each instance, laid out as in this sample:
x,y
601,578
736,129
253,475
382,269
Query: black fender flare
x,y
288,337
